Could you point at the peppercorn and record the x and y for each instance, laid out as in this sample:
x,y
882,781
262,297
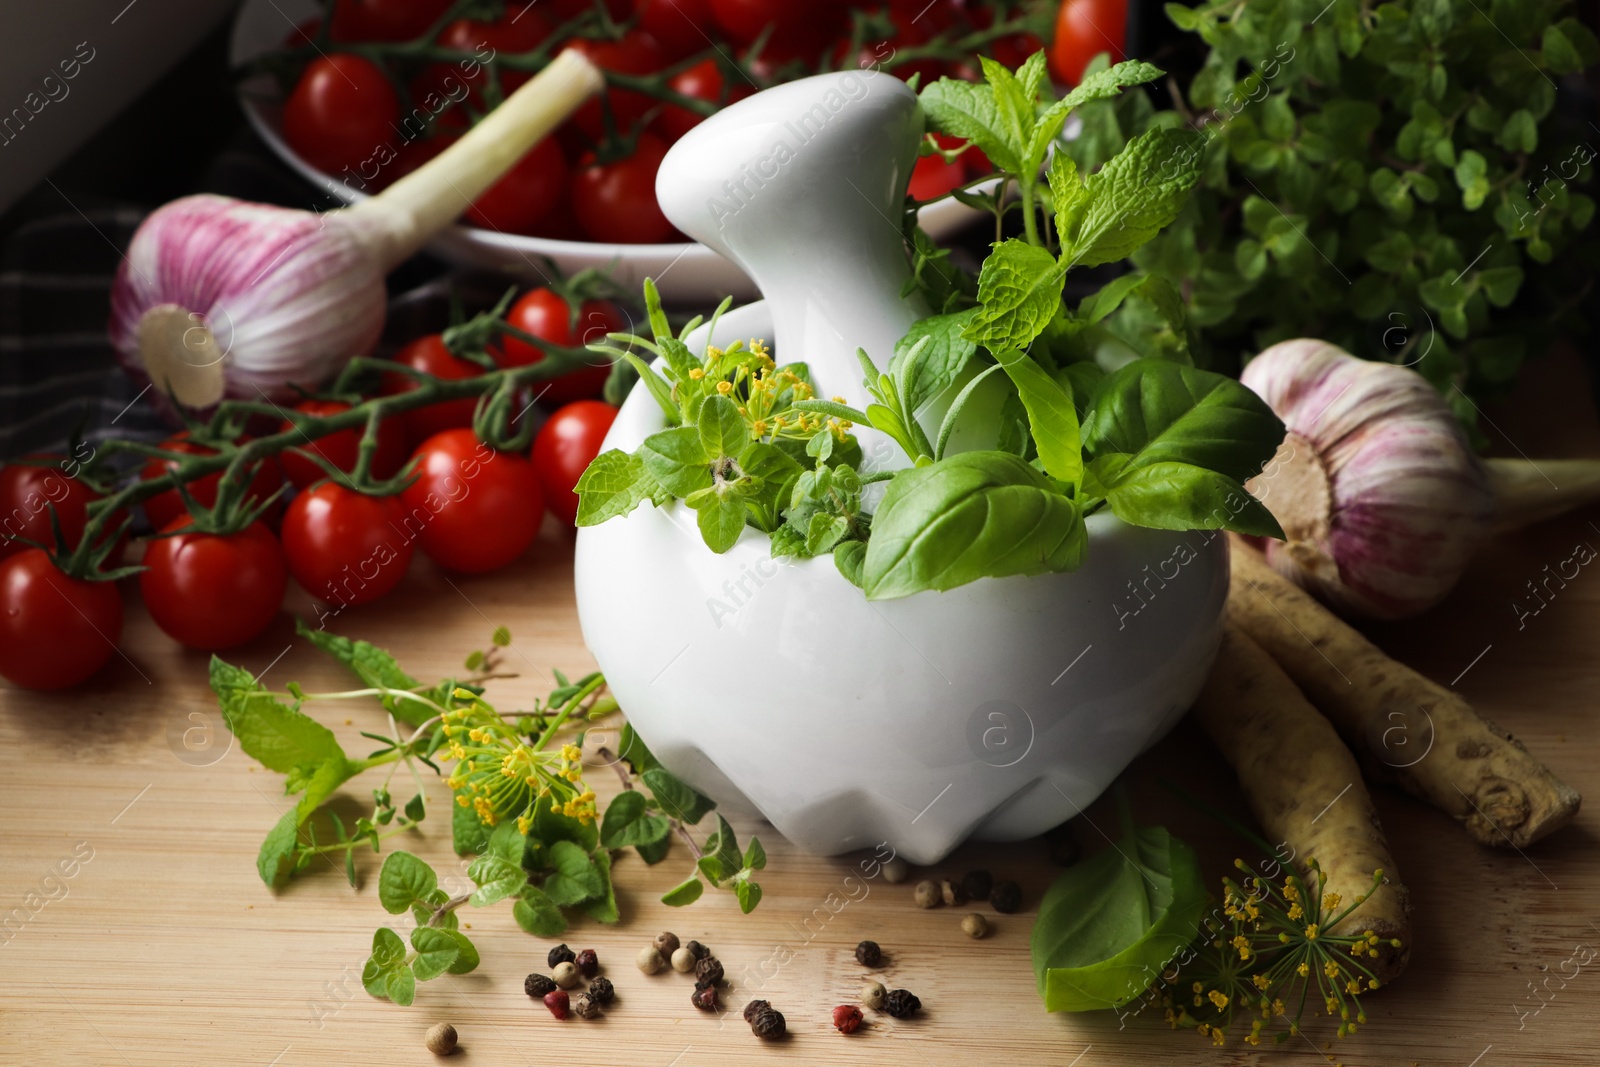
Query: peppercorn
x,y
901,1003
558,1003
872,995
601,991
847,1018
567,976
868,954
559,954
952,893
975,926
586,1007
667,943
768,1025
537,985
895,871
754,1008
650,960
587,962
1063,845
441,1039
977,884
683,960
704,997
708,971
697,950
927,895
1006,897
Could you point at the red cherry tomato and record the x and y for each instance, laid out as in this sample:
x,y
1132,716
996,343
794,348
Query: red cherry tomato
x,y
344,547
546,315
679,26
341,114
703,81
1084,29
162,508
27,494
636,53
567,443
567,9
429,355
55,631
525,194
617,201
1013,50
797,25
209,591
342,447
384,20
933,177
478,509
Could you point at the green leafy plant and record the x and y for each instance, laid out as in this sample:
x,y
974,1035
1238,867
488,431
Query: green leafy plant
x,y
522,807
1384,176
1156,441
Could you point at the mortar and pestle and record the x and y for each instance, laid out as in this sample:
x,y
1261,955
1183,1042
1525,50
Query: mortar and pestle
x,y
996,710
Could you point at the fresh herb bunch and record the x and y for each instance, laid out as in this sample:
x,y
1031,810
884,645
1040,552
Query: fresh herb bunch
x,y
1160,443
1384,176
521,805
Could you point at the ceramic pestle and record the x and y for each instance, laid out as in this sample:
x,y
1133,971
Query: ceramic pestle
x,y
803,187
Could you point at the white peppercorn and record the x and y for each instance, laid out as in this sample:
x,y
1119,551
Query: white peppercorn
x,y
872,995
650,960
683,961
566,975
441,1039
927,895
975,926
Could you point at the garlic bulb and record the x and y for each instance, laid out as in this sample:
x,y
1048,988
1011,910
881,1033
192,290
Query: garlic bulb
x,y
222,298
1381,499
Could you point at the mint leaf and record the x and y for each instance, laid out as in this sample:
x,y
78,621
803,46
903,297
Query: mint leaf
x,y
403,881
720,515
611,486
723,847
272,733
537,913
374,666
466,953
1104,84
498,872
574,879
755,857
277,851
385,973
678,799
968,111
1139,191
1019,290
1051,416
627,824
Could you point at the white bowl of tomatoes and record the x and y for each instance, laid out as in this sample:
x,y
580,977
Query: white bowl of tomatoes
x,y
363,103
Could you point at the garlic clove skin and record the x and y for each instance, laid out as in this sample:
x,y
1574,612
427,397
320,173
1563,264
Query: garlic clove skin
x,y
1380,496
220,298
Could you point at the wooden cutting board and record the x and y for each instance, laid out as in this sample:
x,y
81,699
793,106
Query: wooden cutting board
x,y
163,947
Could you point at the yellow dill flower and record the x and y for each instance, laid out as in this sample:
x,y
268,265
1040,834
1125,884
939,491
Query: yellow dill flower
x,y
1303,970
524,823
724,388
1217,997
1353,987
696,373
571,753
463,801
1218,1038
1330,969
1296,912
1311,932
1260,981
1330,902
1277,1007
760,428
1241,943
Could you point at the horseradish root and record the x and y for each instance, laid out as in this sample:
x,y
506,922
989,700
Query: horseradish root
x,y
1306,791
1405,729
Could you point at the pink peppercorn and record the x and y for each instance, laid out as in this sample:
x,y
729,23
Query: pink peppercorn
x,y
847,1017
559,1003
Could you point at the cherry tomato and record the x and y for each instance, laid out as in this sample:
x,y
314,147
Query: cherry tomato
x,y
546,314
910,31
933,177
679,26
568,9
478,509
429,355
525,194
162,508
341,114
636,53
567,443
344,547
55,631
617,201
210,591
385,20
703,81
27,494
1084,29
1013,50
342,447
796,24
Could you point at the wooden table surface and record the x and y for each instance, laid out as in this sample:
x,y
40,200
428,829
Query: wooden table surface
x,y
163,947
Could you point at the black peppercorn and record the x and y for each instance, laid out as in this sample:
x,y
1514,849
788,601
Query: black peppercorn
x,y
768,1025
868,954
704,997
901,1003
537,985
586,1007
602,991
560,954
708,971
1006,897
587,962
697,950
952,893
977,884
754,1008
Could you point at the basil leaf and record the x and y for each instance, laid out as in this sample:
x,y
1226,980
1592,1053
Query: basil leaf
x,y
677,460
612,485
1159,412
1019,290
940,361
969,516
1110,924
1051,416
1178,496
1131,198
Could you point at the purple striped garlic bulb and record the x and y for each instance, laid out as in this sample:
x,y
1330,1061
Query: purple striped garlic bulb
x,y
1381,498
221,298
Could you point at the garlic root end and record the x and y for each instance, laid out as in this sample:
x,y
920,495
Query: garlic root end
x,y
181,355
